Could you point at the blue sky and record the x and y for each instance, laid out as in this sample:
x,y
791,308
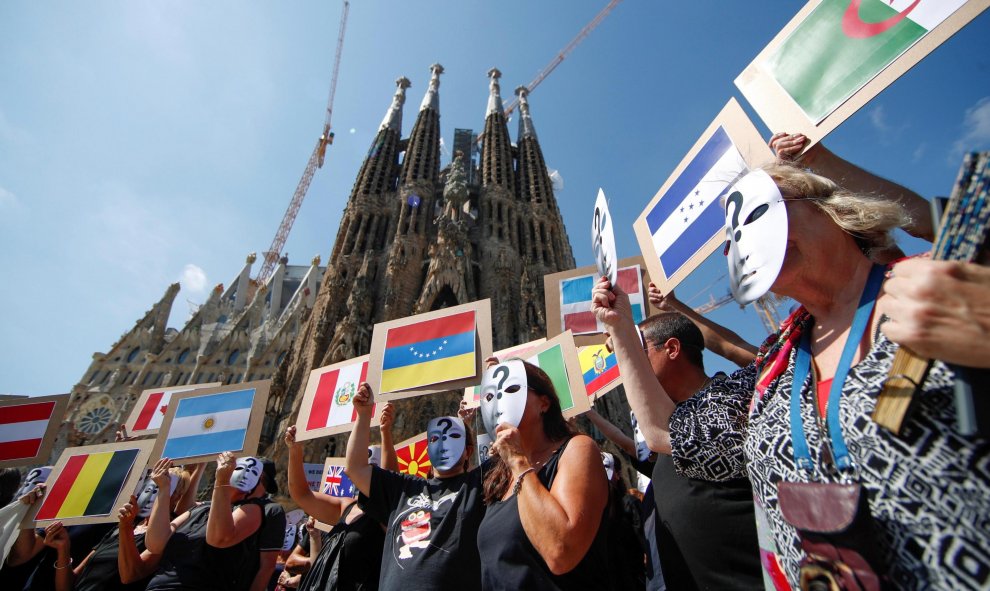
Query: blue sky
x,y
143,143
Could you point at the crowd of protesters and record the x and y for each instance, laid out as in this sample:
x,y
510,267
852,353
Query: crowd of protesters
x,y
772,477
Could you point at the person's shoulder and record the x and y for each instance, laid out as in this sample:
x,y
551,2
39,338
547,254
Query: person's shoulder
x,y
581,445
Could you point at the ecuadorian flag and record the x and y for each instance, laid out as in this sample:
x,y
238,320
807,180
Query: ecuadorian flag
x,y
209,424
88,485
429,352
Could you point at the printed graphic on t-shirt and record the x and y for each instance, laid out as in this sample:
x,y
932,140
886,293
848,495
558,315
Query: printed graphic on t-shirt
x,y
415,527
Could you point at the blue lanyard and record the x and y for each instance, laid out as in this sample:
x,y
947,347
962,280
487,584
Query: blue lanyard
x,y
802,367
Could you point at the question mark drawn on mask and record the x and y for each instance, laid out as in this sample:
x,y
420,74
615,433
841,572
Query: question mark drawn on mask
x,y
737,198
446,423
502,371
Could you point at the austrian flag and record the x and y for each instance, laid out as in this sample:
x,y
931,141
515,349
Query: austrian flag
x,y
23,428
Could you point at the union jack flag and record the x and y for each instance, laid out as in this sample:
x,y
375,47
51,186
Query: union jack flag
x,y
337,484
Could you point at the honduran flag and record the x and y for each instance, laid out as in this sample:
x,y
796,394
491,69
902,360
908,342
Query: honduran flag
x,y
429,352
414,459
88,485
336,483
599,368
333,403
552,362
22,429
209,424
690,212
575,300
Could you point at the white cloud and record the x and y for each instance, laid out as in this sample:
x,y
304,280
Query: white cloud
x,y
878,119
976,127
7,199
193,279
919,152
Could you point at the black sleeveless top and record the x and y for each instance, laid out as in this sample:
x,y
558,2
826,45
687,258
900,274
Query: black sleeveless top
x,y
102,572
509,561
189,563
350,557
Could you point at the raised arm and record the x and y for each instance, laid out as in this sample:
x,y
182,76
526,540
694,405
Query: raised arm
x,y
56,537
390,461
562,522
225,526
28,543
323,507
132,564
647,398
160,524
612,433
358,468
187,500
718,339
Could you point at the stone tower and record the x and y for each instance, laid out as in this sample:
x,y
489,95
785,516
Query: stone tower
x,y
415,238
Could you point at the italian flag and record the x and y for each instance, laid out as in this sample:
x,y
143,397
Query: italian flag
x,y
843,44
552,362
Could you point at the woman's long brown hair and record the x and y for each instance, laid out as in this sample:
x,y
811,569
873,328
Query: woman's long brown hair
x,y
555,427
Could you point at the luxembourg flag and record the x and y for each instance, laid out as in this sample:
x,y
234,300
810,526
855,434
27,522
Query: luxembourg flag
x,y
22,428
575,300
209,424
690,212
333,401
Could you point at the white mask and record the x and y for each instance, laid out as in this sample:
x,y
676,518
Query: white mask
x,y
247,474
642,450
756,235
375,455
149,492
484,447
34,477
609,463
504,391
446,439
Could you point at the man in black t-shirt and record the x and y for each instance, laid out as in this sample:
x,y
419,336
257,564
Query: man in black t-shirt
x,y
271,535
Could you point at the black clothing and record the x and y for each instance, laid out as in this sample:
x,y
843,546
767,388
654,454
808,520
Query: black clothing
x,y
189,563
350,558
706,531
626,544
654,576
431,529
509,561
102,573
38,573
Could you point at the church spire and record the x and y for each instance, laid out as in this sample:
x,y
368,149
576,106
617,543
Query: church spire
x,y
494,97
393,117
496,153
380,166
422,159
432,98
526,128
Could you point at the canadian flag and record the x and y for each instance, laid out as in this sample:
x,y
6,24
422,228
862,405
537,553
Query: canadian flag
x,y
153,407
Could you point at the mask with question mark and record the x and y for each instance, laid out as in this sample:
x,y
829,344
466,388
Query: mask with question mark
x,y
148,492
35,477
756,235
642,449
504,391
246,474
446,438
609,462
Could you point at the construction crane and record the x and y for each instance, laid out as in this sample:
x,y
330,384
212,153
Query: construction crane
x,y
315,161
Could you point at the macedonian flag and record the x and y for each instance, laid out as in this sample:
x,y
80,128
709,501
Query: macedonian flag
x,y
413,457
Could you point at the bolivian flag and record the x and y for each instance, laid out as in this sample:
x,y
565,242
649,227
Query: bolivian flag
x,y
88,485
429,352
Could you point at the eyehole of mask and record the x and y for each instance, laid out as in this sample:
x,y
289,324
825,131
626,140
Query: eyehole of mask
x,y
756,214
489,396
512,389
454,435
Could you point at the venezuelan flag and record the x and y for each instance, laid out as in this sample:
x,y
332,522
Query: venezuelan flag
x,y
88,485
429,352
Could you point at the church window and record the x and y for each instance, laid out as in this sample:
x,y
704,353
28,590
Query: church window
x,y
250,377
281,357
217,361
179,379
158,380
182,356
92,378
210,379
232,358
147,377
222,319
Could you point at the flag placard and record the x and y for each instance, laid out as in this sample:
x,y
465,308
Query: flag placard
x,y
414,459
89,484
200,424
599,370
327,407
432,352
28,427
835,56
149,410
472,394
568,299
335,481
558,357
685,220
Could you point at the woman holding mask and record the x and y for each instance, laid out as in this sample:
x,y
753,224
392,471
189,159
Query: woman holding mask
x,y
430,524
546,490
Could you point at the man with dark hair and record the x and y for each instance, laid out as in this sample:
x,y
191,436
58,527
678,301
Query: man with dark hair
x,y
271,536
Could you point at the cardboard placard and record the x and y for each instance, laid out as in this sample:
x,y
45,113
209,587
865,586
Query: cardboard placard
x,y
685,220
600,370
472,394
89,485
551,289
482,347
155,400
29,428
246,446
330,393
414,459
840,89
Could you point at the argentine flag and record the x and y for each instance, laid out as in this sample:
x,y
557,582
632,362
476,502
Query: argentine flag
x,y
691,211
209,424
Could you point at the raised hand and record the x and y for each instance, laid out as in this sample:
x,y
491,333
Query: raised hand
x,y
787,147
290,437
226,462
364,401
610,304
128,513
508,446
56,536
387,417
662,302
491,362
159,474
121,434
32,496
466,414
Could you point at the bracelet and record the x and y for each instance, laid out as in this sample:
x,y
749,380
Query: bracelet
x,y
57,567
519,480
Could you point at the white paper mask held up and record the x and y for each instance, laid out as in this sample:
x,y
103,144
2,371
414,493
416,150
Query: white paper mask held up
x,y
446,439
603,240
504,390
246,474
642,449
756,235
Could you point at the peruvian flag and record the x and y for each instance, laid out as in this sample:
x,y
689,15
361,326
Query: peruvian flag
x,y
22,428
335,392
